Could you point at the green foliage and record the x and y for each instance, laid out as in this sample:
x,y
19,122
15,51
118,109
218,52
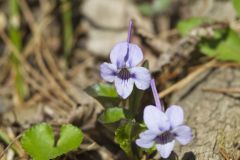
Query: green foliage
x,y
185,26
4,138
39,143
161,5
123,137
14,28
126,135
149,9
224,46
111,115
105,93
145,9
16,38
236,5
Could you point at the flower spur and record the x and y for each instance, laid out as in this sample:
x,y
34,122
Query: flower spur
x,y
123,70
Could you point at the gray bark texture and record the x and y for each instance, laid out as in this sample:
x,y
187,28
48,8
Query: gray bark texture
x,y
214,117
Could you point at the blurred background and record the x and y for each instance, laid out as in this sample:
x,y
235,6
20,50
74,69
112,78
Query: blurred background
x,y
50,52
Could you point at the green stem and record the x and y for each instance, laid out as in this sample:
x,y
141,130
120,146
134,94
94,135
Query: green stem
x,y
7,140
67,27
15,36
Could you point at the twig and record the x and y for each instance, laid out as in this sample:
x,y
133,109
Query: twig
x,y
188,79
223,152
28,15
222,90
28,68
51,79
9,145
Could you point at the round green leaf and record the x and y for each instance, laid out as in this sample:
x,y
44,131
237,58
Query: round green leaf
x,y
38,141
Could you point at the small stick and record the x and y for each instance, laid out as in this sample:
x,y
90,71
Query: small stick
x,y
9,145
188,79
222,90
223,152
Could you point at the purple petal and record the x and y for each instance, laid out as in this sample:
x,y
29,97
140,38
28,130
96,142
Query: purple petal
x,y
155,119
108,71
122,56
135,55
148,135
141,77
175,115
144,143
118,54
183,134
165,149
124,87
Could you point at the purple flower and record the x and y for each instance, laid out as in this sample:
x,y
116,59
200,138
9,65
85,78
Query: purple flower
x,y
164,128
123,70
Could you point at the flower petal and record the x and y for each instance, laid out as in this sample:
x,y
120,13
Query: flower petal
x,y
144,143
124,87
165,149
155,119
108,71
118,54
141,77
148,135
183,134
135,55
127,54
175,115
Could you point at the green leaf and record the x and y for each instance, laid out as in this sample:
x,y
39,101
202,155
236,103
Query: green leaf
x,y
185,26
103,90
161,5
226,48
112,115
123,137
145,9
158,6
236,5
105,93
70,138
126,135
39,143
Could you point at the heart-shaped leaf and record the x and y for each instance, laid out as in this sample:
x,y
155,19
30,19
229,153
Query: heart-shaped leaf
x,y
38,141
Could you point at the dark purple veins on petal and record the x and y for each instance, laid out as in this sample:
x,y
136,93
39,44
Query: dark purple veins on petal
x,y
127,55
124,74
165,137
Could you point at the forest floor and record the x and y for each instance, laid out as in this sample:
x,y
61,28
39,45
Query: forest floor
x,y
44,75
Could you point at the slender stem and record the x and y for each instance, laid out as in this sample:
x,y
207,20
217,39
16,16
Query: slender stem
x,y
67,27
129,31
16,38
155,95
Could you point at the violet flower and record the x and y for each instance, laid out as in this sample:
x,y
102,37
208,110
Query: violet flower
x,y
163,128
123,70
